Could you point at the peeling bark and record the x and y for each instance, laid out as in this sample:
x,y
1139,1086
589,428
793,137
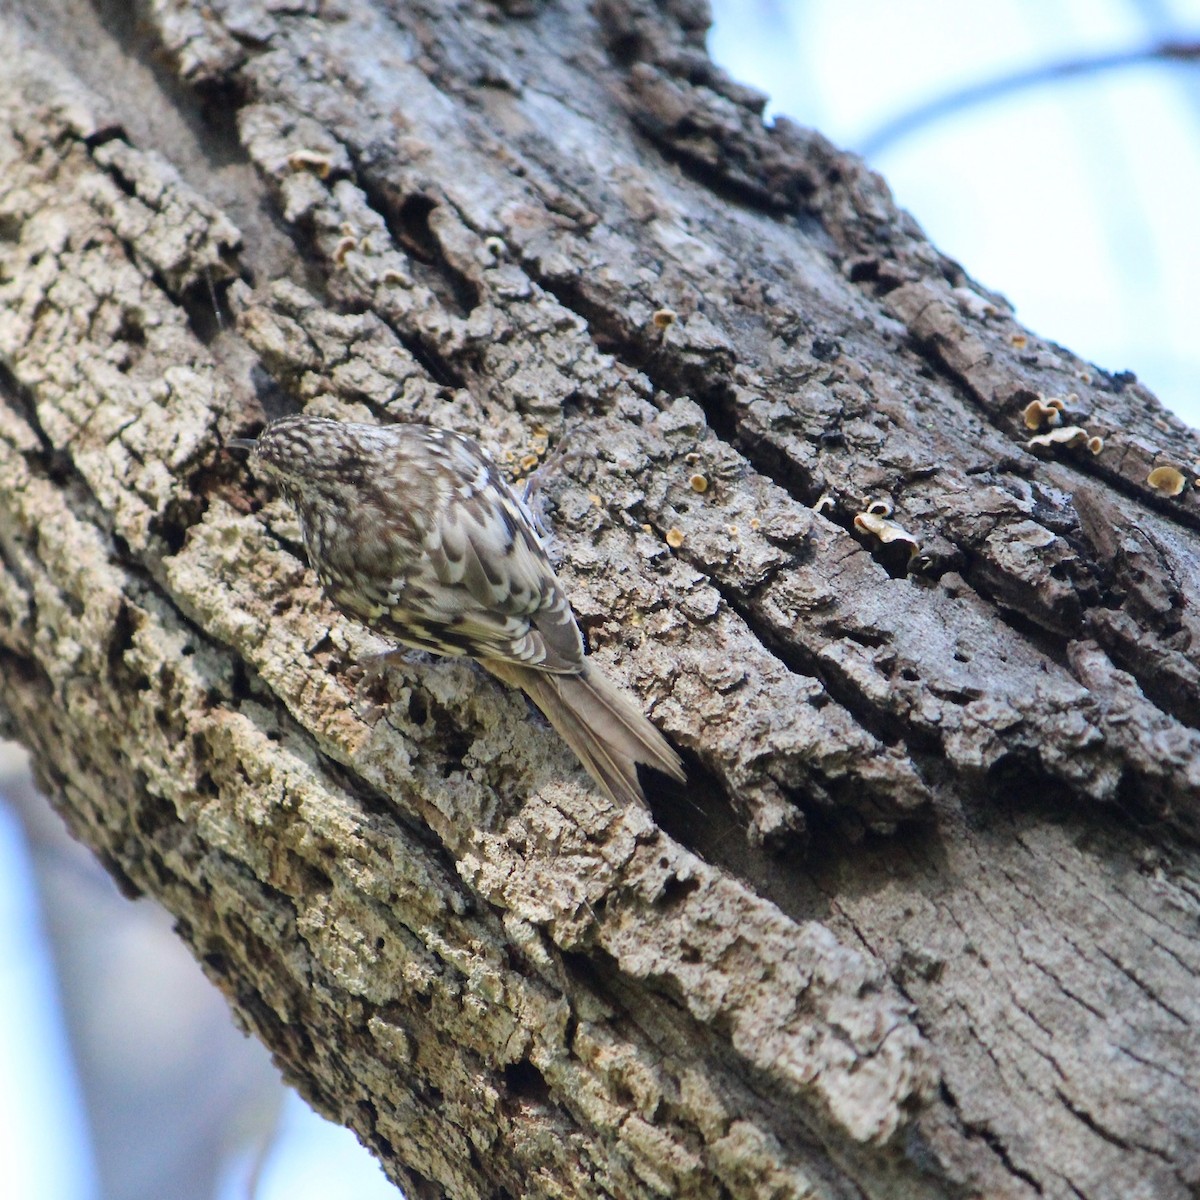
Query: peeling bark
x,y
924,923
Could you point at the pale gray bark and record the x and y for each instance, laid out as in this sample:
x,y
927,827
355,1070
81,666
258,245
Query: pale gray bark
x,y
925,922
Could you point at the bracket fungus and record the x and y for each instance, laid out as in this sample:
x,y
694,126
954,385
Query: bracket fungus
x,y
319,162
1167,480
885,531
1047,414
1044,414
1067,436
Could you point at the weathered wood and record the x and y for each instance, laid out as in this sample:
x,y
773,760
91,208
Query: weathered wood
x,y
925,922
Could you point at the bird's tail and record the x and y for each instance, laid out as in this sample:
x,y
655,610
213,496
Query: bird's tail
x,y
607,731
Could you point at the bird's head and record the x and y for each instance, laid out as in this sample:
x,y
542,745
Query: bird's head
x,y
301,452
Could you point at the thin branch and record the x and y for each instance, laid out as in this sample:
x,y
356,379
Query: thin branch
x,y
980,93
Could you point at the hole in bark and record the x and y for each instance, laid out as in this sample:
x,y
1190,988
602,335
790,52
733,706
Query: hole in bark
x,y
204,304
311,879
594,970
59,467
105,134
1018,782
573,405
864,271
627,49
240,681
1145,806
525,1082
894,557
121,638
676,889
18,669
439,370
457,745
664,793
220,97
418,710
407,220
152,815
124,627
132,332
178,516
872,639
131,329
410,227
217,963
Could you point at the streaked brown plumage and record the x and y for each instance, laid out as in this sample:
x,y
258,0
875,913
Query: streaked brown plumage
x,y
414,532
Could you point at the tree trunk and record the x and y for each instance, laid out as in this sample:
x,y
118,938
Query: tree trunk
x,y
924,922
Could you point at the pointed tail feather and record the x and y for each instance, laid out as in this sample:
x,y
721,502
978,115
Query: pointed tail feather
x,y
604,727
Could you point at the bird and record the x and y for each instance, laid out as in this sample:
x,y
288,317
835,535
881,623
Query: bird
x,y
415,533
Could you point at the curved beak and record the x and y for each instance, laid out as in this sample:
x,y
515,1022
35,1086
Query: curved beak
x,y
241,444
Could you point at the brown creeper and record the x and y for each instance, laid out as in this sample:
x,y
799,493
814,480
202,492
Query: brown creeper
x,y
414,532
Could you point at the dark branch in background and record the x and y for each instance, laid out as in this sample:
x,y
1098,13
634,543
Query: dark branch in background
x,y
990,89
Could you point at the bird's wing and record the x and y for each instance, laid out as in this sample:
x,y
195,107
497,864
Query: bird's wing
x,y
486,587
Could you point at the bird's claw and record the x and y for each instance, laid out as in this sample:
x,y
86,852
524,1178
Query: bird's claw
x,y
371,673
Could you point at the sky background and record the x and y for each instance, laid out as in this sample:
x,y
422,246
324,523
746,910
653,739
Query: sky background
x,y
1075,198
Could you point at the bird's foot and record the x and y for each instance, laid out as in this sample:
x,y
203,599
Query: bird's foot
x,y
371,678
558,458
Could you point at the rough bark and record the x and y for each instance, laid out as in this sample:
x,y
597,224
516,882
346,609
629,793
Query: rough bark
x,y
924,924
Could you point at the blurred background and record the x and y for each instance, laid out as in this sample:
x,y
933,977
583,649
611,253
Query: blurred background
x,y
1050,146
